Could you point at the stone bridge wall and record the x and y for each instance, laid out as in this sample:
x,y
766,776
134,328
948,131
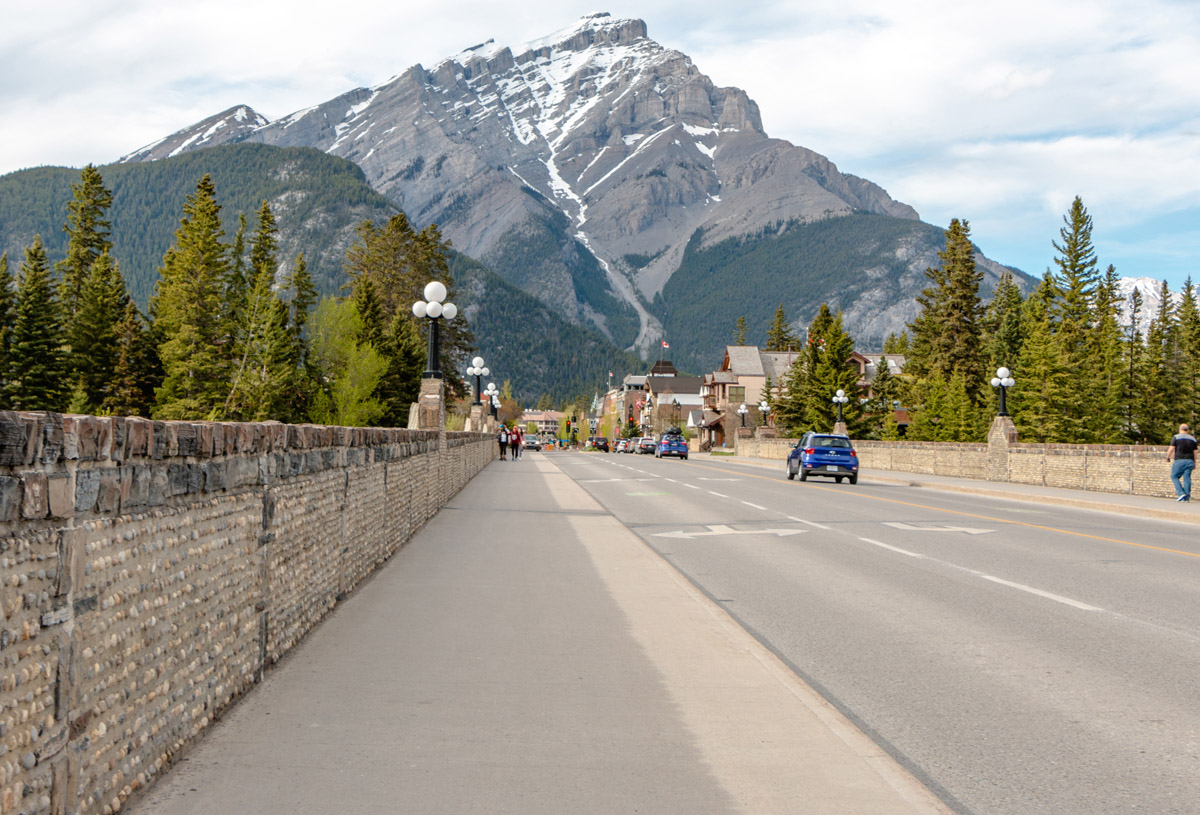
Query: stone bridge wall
x,y
150,572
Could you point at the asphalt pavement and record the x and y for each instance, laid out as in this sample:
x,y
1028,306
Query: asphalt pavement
x,y
527,653
1144,506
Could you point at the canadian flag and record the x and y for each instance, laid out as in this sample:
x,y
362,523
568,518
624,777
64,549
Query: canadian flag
x,y
666,344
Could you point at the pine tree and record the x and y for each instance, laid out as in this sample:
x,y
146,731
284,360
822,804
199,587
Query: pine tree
x,y
266,366
739,334
1155,400
897,344
187,309
37,374
1073,313
401,262
780,336
1037,401
884,393
88,236
1107,387
93,333
8,303
946,334
1189,356
133,377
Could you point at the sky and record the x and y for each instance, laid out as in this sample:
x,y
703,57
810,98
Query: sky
x,y
995,113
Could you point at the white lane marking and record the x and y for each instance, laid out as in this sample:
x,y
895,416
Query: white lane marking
x,y
722,529
1058,598
893,548
719,495
910,528
810,523
756,506
691,486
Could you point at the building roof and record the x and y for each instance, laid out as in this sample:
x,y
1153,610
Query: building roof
x,y
674,384
663,367
776,364
743,360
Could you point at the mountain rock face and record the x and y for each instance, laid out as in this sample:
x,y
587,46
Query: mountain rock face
x,y
578,167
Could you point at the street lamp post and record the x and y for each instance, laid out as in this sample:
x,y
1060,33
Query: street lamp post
x,y
493,397
477,370
433,308
763,407
742,411
1003,380
840,398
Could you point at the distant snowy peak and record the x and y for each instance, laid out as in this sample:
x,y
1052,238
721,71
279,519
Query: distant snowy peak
x,y
1151,296
224,128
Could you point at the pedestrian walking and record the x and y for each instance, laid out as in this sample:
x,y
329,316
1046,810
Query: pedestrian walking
x,y
502,437
520,440
514,444
1182,455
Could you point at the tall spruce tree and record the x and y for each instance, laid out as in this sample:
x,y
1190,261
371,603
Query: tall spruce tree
x,y
1107,392
946,334
1073,316
780,336
188,308
134,374
8,300
88,236
1189,353
1043,385
93,334
265,368
739,332
37,373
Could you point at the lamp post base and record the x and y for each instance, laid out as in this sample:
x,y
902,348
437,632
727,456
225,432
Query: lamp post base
x,y
431,405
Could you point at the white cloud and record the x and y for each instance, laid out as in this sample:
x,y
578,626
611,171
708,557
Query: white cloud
x,y
998,113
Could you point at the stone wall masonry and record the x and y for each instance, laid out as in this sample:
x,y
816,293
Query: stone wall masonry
x,y
151,571
1130,469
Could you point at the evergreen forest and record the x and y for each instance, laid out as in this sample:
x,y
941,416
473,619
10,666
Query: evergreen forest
x,y
1082,375
318,204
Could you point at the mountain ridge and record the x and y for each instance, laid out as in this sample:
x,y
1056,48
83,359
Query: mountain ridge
x,y
595,143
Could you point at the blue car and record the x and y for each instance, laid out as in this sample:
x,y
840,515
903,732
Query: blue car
x,y
825,455
671,445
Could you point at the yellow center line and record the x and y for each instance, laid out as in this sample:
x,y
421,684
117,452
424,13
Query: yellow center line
x,y
959,512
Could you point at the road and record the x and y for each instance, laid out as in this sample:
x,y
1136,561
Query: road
x,y
1017,658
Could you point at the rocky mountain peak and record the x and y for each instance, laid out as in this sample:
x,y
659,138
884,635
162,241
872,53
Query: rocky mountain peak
x,y
578,165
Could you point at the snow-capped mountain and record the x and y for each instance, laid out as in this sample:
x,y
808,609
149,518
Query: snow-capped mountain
x,y
1151,296
579,166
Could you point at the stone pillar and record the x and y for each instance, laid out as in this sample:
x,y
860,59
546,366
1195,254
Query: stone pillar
x,y
476,420
839,429
431,405
764,432
1001,436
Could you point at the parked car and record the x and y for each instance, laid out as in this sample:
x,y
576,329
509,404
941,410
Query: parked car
x,y
823,454
627,445
600,443
646,444
672,444
532,443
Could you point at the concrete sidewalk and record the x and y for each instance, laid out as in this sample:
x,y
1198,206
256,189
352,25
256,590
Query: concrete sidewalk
x,y
1146,506
526,653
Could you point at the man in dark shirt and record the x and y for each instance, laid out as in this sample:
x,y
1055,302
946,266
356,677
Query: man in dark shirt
x,y
1182,455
